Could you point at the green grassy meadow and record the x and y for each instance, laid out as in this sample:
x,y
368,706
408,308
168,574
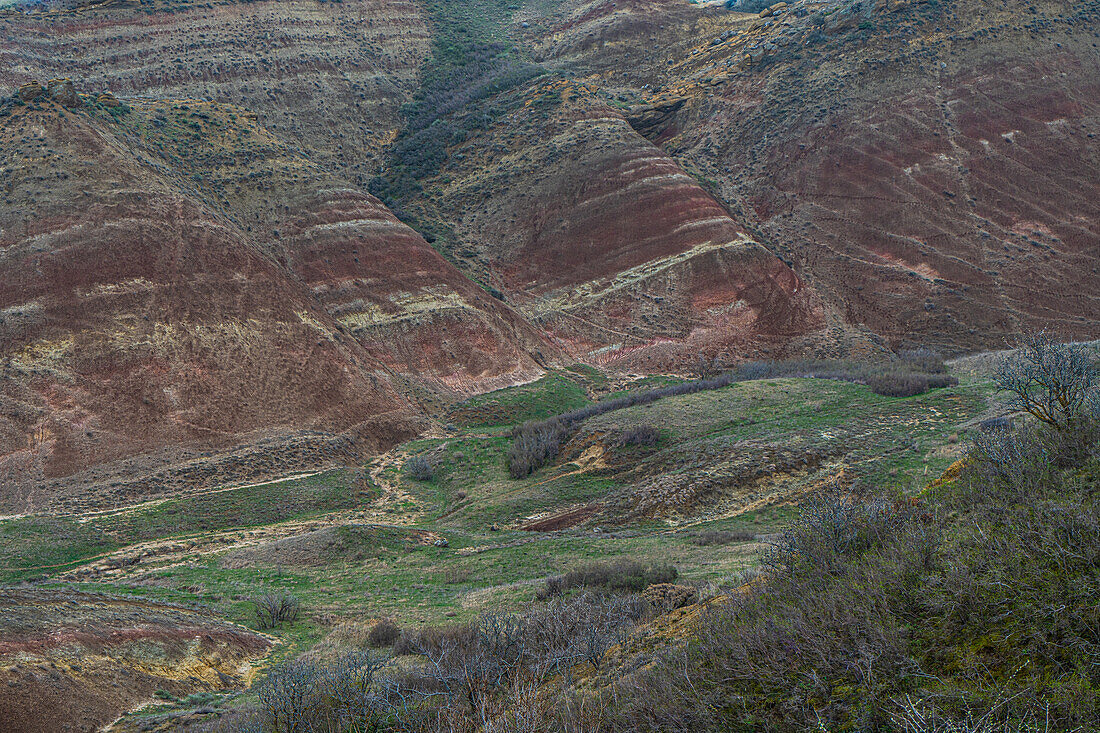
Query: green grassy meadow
x,y
454,545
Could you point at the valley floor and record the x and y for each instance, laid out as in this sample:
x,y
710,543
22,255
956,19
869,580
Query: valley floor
x,y
360,543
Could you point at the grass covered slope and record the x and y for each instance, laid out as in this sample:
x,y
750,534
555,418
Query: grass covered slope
x,y
717,454
714,476
974,606
971,605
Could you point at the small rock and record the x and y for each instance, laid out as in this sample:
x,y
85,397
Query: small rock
x,y
30,91
108,100
63,91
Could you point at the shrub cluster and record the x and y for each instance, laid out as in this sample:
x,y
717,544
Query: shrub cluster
x,y
645,436
907,384
534,443
707,537
384,633
615,575
419,468
477,676
274,608
978,612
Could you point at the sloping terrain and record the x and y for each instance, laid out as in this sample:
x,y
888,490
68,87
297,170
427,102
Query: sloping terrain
x,y
281,280
72,661
373,543
137,320
327,77
631,184
927,167
608,244
156,319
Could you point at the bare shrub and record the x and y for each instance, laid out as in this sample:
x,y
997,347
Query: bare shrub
x,y
290,696
664,597
1055,383
468,674
918,715
534,444
384,633
234,720
274,608
419,468
1009,456
307,695
898,384
924,360
708,368
707,537
644,436
616,575
830,530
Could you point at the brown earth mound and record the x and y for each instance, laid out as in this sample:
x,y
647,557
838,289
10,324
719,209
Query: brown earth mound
x,y
150,326
609,244
338,544
73,661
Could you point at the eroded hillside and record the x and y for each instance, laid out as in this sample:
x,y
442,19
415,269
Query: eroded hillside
x,y
75,661
181,308
245,241
928,167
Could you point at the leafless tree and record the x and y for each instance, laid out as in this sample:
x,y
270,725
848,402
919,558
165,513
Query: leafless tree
x,y
290,697
343,694
274,608
1054,382
707,368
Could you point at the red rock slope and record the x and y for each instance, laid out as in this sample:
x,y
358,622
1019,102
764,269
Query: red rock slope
x,y
610,245
134,317
928,167
327,77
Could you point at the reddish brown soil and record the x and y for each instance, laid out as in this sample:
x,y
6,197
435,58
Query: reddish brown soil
x,y
826,180
327,77
149,328
408,307
611,246
563,520
929,168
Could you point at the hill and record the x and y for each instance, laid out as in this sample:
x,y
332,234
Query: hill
x,y
630,184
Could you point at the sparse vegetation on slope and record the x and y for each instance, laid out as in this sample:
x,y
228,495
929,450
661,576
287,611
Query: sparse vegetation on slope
x,y
472,60
535,443
480,540
872,610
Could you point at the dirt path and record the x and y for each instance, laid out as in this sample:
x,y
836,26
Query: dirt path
x,y
395,508
84,517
